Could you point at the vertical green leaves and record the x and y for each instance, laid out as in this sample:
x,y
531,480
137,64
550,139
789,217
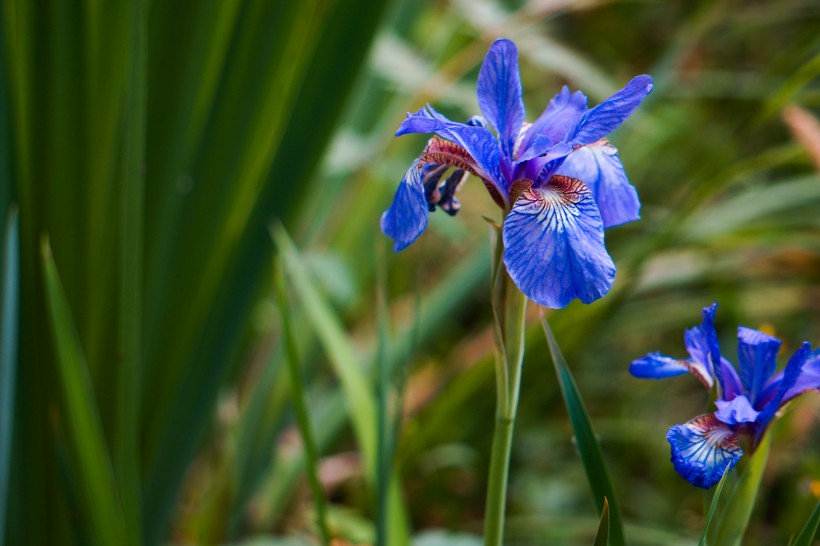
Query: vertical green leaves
x,y
90,463
733,506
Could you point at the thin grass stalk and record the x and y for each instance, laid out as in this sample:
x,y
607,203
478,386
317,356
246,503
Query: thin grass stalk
x,y
383,434
297,389
9,299
131,250
509,306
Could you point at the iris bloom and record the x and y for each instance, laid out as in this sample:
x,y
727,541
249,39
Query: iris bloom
x,y
558,179
747,402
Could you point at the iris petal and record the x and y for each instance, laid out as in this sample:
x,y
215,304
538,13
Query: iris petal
x,y
738,410
479,142
554,245
809,379
601,120
757,359
703,449
407,217
660,366
792,373
599,166
499,93
558,118
702,344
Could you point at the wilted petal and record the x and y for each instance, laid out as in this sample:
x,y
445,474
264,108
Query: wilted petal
x,y
660,366
407,217
478,142
757,359
560,116
601,120
738,410
703,449
600,168
554,245
499,93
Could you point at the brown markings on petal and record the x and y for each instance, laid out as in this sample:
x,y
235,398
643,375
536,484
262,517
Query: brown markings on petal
x,y
518,187
571,189
449,153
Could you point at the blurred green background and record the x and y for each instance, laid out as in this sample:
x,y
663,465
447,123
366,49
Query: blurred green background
x,y
148,151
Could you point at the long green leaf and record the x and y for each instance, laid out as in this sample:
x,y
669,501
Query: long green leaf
x,y
348,366
734,510
713,507
588,446
809,532
127,460
297,390
9,301
602,537
91,463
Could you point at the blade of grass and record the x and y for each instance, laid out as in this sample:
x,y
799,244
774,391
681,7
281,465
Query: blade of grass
x,y
297,389
588,446
602,537
9,299
713,507
809,532
126,451
347,365
734,511
91,464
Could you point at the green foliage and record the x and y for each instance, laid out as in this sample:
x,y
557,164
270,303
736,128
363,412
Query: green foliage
x,y
733,510
588,446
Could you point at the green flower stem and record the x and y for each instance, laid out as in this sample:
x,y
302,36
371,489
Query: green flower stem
x,y
509,307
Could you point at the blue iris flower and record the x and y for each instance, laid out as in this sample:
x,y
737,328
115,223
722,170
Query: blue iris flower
x,y
558,179
747,402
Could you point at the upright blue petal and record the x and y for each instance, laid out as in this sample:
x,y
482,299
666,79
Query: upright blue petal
x,y
600,168
561,114
703,449
554,245
702,344
479,142
407,217
601,120
791,374
499,93
757,359
659,366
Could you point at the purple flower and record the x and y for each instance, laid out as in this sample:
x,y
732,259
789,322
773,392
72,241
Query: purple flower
x,y
747,402
558,179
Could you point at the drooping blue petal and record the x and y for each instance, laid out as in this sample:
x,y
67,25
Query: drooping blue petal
x,y
787,381
738,410
703,449
407,217
601,120
554,245
499,93
600,168
702,344
478,141
757,359
561,114
660,366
